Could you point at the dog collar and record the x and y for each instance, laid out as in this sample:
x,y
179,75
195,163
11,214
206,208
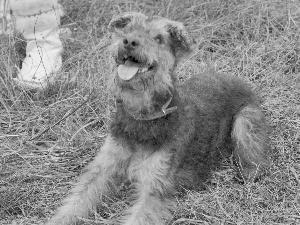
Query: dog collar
x,y
155,115
164,111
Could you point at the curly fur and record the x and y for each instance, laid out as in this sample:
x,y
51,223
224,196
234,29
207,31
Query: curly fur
x,y
217,115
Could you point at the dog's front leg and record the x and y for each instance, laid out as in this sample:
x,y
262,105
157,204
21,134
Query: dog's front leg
x,y
152,174
94,184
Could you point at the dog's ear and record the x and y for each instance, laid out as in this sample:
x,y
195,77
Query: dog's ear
x,y
181,41
121,21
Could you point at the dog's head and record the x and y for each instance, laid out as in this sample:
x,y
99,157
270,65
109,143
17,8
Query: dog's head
x,y
146,51
145,45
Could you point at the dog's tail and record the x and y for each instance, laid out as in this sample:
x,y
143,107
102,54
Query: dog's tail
x,y
251,143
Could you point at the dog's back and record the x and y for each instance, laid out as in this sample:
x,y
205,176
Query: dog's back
x,y
228,120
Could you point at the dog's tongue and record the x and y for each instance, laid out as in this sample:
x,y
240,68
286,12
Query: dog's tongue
x,y
128,70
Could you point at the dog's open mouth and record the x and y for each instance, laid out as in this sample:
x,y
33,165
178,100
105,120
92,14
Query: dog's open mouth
x,y
132,67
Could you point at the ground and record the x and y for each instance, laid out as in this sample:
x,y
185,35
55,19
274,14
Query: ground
x,y
47,139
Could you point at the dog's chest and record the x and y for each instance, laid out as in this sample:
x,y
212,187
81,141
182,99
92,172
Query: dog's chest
x,y
153,134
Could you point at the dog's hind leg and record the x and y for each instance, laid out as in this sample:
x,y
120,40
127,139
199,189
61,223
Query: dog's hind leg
x,y
152,175
251,141
93,185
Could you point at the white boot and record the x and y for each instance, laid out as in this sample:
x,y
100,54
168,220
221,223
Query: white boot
x,y
5,17
39,21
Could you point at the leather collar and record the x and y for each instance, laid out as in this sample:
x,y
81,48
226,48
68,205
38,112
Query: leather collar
x,y
164,111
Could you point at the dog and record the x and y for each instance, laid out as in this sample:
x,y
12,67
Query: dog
x,y
165,134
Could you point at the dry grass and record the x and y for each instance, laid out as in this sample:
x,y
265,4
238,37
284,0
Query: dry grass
x,y
256,40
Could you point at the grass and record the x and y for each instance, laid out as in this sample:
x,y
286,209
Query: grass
x,y
256,40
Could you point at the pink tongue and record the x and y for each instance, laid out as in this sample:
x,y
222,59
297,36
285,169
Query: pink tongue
x,y
127,71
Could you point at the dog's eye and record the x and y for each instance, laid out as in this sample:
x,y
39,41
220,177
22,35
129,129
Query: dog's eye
x,y
159,39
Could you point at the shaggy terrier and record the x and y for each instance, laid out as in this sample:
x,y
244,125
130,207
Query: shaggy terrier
x,y
163,134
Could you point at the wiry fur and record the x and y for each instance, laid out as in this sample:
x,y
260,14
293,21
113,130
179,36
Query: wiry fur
x,y
217,115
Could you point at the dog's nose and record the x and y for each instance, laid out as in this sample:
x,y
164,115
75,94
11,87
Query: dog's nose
x,y
131,43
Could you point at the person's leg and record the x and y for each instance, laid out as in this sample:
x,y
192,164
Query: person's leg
x,y
5,18
38,21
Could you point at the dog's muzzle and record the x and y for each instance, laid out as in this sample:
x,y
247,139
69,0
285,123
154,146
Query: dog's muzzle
x,y
130,63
